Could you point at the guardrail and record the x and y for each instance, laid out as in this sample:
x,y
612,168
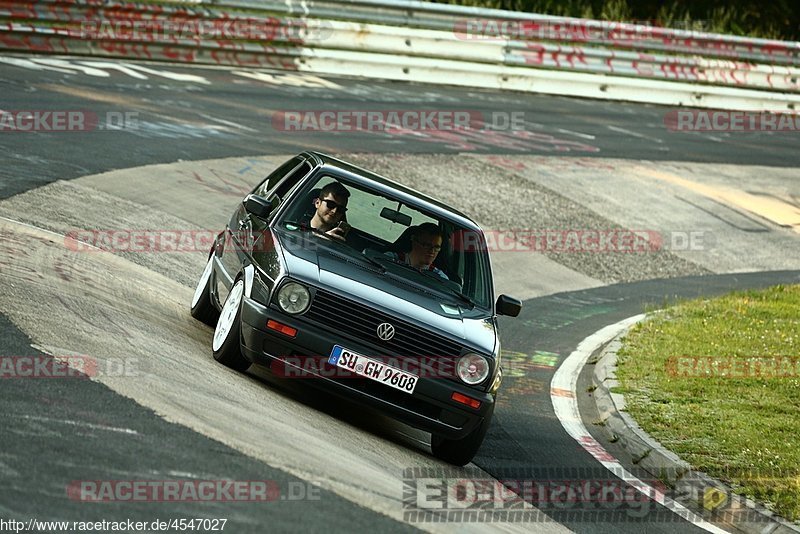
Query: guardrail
x,y
420,41
536,27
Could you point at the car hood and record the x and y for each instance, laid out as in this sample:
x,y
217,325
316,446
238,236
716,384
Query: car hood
x,y
329,266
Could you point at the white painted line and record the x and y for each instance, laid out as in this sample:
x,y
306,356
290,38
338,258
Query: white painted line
x,y
563,396
19,62
176,76
576,134
115,66
63,237
77,423
228,123
634,134
63,64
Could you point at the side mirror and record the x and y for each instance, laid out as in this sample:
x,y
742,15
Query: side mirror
x,y
508,306
258,206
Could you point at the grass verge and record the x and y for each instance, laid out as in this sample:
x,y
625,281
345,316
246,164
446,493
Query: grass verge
x,y
752,18
718,382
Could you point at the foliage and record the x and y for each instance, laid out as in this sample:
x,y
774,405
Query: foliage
x,y
778,19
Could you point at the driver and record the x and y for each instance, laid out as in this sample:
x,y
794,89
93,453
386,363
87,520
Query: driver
x,y
331,207
426,242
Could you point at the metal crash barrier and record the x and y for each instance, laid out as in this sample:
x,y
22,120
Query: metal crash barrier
x,y
422,42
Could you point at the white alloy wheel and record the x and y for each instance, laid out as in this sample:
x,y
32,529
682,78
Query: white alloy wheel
x,y
228,315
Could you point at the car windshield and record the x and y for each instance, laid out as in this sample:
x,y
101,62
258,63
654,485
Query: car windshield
x,y
434,254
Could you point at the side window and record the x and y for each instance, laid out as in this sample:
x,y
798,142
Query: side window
x,y
291,180
264,188
282,189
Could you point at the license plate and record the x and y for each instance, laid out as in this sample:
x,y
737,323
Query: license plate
x,y
373,369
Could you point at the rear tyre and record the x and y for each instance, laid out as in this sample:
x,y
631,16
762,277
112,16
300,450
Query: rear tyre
x,y
461,451
202,309
226,344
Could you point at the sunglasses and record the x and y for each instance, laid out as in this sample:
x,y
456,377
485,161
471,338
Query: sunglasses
x,y
333,205
428,246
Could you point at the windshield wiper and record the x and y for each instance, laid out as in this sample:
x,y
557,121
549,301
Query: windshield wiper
x,y
463,297
446,284
372,262
442,281
361,256
396,262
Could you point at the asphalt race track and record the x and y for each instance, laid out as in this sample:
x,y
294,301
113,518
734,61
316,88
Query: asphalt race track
x,y
176,148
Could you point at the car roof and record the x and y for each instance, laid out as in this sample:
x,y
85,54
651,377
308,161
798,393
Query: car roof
x,y
383,184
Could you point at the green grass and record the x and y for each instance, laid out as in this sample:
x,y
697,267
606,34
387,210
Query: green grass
x,y
742,429
779,19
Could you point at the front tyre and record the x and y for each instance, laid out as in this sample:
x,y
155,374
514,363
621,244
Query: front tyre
x,y
226,344
461,451
202,309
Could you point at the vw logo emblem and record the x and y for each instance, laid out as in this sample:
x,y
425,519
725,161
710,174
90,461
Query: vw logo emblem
x,y
385,331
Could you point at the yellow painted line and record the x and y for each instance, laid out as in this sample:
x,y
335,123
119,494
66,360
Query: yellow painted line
x,y
778,211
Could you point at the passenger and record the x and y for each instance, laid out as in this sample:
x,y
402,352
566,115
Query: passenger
x,y
426,242
331,207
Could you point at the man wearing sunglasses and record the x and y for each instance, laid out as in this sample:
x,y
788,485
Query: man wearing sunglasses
x,y
331,206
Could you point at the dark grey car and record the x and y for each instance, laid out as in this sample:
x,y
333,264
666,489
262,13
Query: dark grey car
x,y
421,347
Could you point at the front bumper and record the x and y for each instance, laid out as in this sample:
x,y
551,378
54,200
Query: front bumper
x,y
429,408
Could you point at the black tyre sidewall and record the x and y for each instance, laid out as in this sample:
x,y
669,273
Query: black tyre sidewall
x,y
204,311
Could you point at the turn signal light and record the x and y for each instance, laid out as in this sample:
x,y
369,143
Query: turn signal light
x,y
463,399
282,328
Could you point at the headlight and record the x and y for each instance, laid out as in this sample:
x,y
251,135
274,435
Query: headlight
x,y
293,298
473,368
